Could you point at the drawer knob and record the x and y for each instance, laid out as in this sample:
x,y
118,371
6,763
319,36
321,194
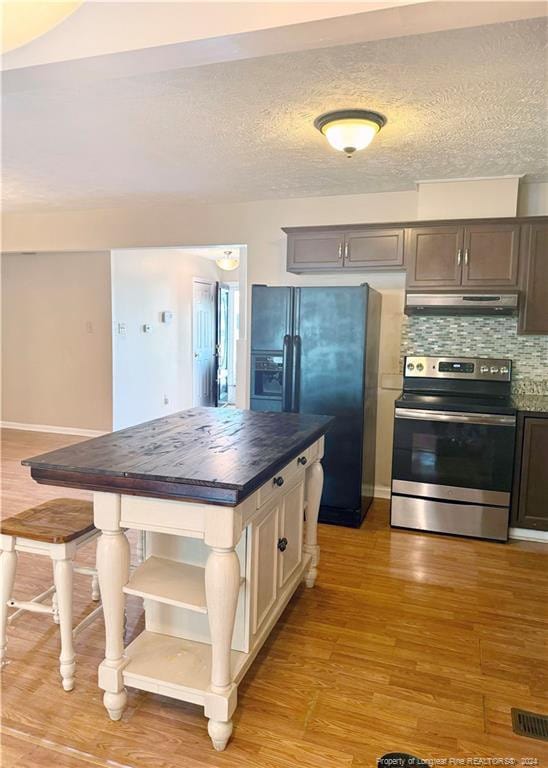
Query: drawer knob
x,y
282,544
279,481
302,460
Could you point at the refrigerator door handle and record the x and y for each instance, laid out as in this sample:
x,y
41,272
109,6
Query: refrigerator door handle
x,y
296,378
286,371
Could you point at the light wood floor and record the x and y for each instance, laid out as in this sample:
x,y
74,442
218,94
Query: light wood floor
x,y
408,642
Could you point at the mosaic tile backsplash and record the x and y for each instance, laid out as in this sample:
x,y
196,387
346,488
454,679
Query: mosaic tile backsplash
x,y
481,337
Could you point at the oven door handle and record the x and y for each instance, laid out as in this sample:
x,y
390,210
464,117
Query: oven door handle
x,y
457,417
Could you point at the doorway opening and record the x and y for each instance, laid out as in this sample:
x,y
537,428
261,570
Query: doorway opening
x,y
215,324
177,331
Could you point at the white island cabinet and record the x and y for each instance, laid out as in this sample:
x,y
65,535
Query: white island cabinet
x,y
230,512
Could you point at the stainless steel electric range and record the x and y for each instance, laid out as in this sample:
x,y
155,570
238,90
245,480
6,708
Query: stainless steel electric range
x,y
454,435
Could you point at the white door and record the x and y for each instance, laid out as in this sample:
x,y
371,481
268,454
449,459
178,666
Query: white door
x,y
203,342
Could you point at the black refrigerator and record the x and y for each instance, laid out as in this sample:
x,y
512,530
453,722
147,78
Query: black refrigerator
x,y
315,350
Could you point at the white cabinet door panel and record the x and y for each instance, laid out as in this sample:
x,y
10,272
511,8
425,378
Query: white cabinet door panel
x,y
265,565
291,531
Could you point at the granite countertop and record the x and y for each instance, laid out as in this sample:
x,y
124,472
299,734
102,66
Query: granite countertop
x,y
535,403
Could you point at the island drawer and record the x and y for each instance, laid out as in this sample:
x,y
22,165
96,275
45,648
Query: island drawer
x,y
278,484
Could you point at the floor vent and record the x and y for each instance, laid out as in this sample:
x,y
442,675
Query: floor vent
x,y
530,724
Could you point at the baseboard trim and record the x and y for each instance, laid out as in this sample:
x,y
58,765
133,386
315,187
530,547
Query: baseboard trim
x,y
527,534
51,428
382,492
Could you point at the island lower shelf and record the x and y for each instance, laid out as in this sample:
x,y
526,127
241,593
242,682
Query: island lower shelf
x,y
181,668
170,582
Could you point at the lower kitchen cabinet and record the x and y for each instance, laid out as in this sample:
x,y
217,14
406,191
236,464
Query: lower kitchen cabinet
x,y
277,549
530,493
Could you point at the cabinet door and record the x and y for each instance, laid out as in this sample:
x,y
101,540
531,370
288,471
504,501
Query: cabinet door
x,y
433,256
491,255
532,510
313,251
264,584
291,531
374,248
534,300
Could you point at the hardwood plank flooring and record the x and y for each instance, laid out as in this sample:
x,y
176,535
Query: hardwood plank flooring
x,y
408,642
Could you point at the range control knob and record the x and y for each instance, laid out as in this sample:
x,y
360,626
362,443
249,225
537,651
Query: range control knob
x,y
410,367
494,369
420,367
484,369
504,369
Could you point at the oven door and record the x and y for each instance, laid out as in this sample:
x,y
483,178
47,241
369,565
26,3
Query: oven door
x,y
469,451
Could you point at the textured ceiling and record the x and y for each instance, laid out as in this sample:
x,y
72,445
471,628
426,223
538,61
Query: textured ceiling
x,y
461,103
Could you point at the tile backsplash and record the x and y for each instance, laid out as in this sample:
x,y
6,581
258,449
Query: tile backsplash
x,y
480,337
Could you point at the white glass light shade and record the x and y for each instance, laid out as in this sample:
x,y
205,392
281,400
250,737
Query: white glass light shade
x,y
228,262
350,135
350,129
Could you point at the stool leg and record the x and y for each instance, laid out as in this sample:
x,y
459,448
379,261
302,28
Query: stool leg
x,y
8,564
55,607
63,588
54,601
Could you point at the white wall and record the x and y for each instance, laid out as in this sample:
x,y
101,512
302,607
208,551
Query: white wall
x,y
258,224
468,198
152,367
56,357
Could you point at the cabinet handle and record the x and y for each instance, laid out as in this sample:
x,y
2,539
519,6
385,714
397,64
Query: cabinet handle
x,y
459,256
282,544
340,251
302,460
279,481
466,253
346,250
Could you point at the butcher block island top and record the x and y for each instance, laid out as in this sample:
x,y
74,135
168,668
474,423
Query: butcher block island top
x,y
211,455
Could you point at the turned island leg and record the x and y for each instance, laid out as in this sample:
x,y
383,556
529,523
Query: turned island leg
x,y
314,486
222,582
113,572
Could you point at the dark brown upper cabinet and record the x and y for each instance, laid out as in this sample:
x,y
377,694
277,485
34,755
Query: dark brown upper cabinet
x,y
490,257
315,251
371,248
471,256
533,317
529,507
480,255
433,257
374,248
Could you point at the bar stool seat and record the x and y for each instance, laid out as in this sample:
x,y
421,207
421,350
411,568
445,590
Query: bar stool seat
x,y
56,522
55,529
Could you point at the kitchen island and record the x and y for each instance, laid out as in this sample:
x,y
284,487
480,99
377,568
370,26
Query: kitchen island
x,y
229,502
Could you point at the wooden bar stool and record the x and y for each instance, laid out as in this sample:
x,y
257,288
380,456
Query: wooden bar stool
x,y
57,529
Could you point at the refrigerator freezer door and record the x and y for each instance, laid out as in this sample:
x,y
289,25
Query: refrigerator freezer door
x,y
330,324
271,317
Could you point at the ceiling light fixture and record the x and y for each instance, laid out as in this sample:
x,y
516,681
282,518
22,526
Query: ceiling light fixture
x,y
349,130
227,261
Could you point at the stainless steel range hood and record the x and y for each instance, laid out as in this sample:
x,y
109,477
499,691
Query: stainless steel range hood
x,y
461,303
